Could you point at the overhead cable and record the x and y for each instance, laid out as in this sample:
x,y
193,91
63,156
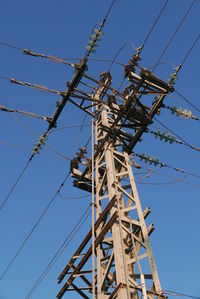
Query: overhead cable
x,y
33,228
69,127
18,146
188,101
155,162
188,53
61,249
74,197
179,111
45,210
165,136
184,141
40,142
175,293
154,24
16,182
174,34
34,86
5,109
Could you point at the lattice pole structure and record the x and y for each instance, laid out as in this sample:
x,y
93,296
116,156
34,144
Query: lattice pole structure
x,y
125,266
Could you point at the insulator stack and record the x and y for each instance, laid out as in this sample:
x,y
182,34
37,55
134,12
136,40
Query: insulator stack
x,y
40,143
149,159
181,112
165,136
93,40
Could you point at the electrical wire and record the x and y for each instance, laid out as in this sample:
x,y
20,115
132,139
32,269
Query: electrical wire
x,y
183,181
188,101
17,146
15,183
10,46
174,293
174,34
188,53
64,245
116,55
54,58
109,10
69,127
175,180
154,24
44,211
152,160
33,86
96,59
178,100
184,141
61,249
33,228
26,165
74,197
34,133
5,109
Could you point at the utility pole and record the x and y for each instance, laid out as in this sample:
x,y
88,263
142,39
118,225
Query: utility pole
x,y
125,266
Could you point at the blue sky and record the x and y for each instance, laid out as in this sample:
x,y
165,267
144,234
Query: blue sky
x,y
62,28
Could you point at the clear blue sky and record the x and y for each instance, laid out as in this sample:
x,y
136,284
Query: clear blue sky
x,y
62,28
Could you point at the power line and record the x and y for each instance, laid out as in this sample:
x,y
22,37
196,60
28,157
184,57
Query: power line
x,y
36,86
70,127
153,161
188,53
54,58
184,141
174,34
188,101
109,10
17,146
174,293
5,109
45,210
16,182
74,197
69,238
32,85
180,101
33,228
58,253
10,46
116,55
154,24
42,139
183,181
34,133
96,59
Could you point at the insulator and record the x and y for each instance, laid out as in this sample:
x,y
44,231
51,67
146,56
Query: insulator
x,y
151,160
180,112
165,136
93,43
40,143
98,32
90,49
95,37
